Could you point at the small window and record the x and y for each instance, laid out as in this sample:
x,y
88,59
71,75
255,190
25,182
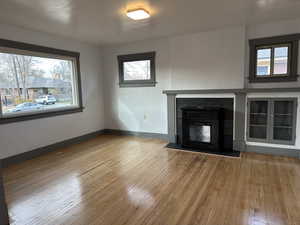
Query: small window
x,y
137,70
274,59
37,82
272,120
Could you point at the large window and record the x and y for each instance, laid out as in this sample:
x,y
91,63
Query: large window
x,y
272,120
137,70
37,81
274,59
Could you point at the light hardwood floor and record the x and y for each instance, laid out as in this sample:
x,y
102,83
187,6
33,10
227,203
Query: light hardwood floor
x,y
114,180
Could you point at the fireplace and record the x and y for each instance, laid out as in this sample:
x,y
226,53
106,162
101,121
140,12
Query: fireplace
x,y
204,125
202,128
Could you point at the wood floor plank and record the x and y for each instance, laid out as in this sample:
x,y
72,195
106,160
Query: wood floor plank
x,y
122,180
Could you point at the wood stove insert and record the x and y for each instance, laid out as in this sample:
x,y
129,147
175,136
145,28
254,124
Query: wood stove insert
x,y
203,128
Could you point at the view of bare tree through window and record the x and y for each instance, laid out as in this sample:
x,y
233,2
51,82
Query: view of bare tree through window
x,y
30,83
137,70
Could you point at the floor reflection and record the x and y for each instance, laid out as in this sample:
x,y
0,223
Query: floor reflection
x,y
140,197
65,191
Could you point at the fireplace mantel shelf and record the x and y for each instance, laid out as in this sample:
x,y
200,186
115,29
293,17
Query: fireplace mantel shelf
x,y
227,91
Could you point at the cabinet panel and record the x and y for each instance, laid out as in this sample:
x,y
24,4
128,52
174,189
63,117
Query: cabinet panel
x,y
259,107
283,119
281,133
272,120
258,119
259,132
285,107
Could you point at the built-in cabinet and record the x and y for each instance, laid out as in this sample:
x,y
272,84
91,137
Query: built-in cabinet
x,y
272,120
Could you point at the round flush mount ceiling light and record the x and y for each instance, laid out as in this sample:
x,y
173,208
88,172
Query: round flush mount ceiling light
x,y
138,14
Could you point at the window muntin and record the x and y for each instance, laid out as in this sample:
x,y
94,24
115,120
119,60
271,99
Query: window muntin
x,y
137,70
39,82
272,61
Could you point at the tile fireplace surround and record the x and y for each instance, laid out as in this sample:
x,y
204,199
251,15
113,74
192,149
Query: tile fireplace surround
x,y
240,101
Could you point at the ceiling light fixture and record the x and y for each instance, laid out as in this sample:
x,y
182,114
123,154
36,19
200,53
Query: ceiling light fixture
x,y
138,14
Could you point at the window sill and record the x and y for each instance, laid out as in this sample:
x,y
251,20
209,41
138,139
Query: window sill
x,y
141,84
19,118
273,79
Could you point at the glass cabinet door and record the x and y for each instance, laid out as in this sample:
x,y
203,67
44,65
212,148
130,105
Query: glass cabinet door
x,y
258,119
272,120
283,120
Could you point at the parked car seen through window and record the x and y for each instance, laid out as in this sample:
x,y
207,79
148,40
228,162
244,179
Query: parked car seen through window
x,y
30,83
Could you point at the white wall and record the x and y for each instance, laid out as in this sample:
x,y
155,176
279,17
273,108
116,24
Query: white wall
x,y
213,59
206,60
195,61
202,60
137,109
20,137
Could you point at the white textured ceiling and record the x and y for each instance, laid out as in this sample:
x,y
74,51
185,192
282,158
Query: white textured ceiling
x,y
104,21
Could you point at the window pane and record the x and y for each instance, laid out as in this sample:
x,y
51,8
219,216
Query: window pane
x,y
281,60
263,62
30,83
137,70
